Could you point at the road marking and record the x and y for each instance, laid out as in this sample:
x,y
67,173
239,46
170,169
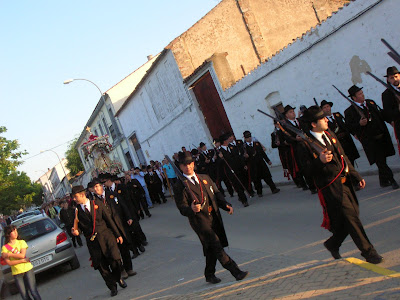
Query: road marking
x,y
372,267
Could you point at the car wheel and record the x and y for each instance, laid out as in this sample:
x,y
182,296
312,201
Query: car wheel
x,y
12,287
74,263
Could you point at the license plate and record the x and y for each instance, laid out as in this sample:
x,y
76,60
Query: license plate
x,y
41,260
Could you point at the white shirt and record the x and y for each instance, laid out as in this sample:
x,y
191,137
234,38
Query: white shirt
x,y
318,136
190,178
86,205
294,122
250,144
226,148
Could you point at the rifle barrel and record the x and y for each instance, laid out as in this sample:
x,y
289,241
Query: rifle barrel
x,y
357,108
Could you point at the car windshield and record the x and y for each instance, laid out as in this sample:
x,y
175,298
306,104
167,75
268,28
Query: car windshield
x,y
30,231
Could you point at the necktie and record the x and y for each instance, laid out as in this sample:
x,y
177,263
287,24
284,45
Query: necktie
x,y
327,143
194,180
87,210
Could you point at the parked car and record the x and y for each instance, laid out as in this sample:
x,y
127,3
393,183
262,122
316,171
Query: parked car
x,y
28,213
48,246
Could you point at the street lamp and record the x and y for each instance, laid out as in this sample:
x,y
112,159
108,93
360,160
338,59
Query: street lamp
x,y
62,166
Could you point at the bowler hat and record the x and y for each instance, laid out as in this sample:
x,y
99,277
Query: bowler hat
x,y
323,102
194,152
224,137
77,189
90,184
202,144
287,108
313,113
185,158
391,71
353,90
97,181
247,134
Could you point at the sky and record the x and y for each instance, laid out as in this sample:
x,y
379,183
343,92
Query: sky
x,y
45,43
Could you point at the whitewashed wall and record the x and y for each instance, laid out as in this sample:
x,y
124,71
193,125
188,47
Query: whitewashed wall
x,y
161,113
337,52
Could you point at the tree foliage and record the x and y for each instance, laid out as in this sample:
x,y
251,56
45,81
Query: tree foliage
x,y
16,189
74,163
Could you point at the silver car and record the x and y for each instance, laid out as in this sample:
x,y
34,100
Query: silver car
x,y
48,246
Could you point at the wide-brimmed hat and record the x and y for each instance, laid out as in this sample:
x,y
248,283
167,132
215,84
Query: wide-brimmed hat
x,y
353,90
246,134
324,102
313,113
202,145
224,137
77,189
185,158
287,108
391,71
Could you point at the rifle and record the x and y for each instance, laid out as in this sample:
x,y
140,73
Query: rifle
x,y
358,109
317,147
315,101
184,180
393,54
388,86
233,172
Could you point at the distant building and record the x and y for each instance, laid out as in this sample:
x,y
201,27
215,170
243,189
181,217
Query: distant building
x,y
55,182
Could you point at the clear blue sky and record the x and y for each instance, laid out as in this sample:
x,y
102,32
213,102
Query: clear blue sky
x,y
47,42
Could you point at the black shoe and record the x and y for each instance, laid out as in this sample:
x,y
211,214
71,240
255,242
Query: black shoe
x,y
122,283
245,204
131,273
259,195
241,275
231,195
251,194
275,191
374,259
385,184
213,279
335,253
141,248
114,293
305,188
314,191
149,215
135,254
145,243
395,185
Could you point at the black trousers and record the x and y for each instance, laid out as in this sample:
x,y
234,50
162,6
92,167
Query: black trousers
x,y
110,270
237,185
385,173
125,255
350,224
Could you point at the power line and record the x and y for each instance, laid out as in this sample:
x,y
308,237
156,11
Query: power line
x,y
48,149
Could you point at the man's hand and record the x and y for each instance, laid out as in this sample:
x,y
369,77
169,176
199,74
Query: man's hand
x,y
230,209
264,149
120,240
363,121
245,167
195,207
220,155
130,222
246,155
74,232
298,138
326,156
277,143
207,161
361,184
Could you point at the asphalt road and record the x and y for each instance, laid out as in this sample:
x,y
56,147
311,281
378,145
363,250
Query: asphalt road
x,y
275,233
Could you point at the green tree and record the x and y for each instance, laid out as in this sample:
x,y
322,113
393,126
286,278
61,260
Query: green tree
x,y
74,163
16,189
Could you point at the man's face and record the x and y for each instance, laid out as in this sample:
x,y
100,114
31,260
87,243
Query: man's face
x,y
98,189
187,169
248,139
80,198
359,97
217,144
327,109
290,114
320,125
204,148
394,79
108,183
230,139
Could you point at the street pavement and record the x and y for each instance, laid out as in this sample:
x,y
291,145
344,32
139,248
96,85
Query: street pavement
x,y
278,239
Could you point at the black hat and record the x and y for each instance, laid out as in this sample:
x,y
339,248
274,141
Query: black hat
x,y
353,90
194,152
247,134
77,189
313,113
97,181
303,108
323,102
149,167
287,108
90,184
202,144
391,71
185,158
114,178
216,140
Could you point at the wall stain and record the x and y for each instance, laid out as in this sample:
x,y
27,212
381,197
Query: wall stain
x,y
358,67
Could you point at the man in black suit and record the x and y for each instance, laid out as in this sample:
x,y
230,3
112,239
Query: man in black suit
x,y
67,216
101,235
256,161
278,141
199,199
333,174
232,166
154,185
391,100
137,196
337,124
372,132
119,212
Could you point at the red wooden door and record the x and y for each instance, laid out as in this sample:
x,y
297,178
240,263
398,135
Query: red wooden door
x,y
211,106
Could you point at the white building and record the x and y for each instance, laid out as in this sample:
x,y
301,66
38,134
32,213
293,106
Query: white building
x,y
55,182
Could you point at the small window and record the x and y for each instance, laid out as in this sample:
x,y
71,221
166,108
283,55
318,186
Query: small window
x,y
31,231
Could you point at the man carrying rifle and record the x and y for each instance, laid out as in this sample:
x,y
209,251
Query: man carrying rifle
x,y
391,100
198,198
372,132
333,175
